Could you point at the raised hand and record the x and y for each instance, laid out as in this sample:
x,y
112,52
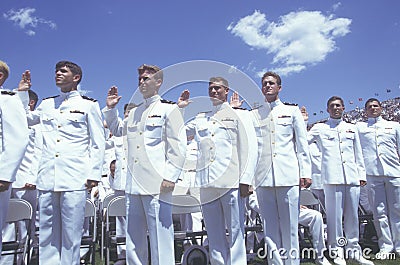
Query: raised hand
x,y
235,101
112,97
183,100
304,112
25,83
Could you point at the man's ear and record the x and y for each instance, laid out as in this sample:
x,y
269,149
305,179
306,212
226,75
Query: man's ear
x,y
159,83
76,78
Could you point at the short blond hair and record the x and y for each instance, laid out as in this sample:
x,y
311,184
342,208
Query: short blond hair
x,y
4,69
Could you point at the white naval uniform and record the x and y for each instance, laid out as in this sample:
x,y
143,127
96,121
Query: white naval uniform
x,y
27,173
284,133
342,170
13,141
317,186
156,151
72,153
222,163
380,142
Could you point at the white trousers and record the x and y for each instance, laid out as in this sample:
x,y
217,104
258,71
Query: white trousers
x,y
279,208
385,197
9,229
224,209
120,226
342,204
152,214
61,216
313,220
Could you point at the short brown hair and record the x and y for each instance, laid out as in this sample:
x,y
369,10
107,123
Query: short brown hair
x,y
273,74
158,73
219,79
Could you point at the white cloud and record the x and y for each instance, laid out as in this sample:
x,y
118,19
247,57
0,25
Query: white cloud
x,y
298,40
25,19
336,6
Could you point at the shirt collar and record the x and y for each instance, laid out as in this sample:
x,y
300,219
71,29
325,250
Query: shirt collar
x,y
150,100
219,107
334,122
275,103
68,95
374,120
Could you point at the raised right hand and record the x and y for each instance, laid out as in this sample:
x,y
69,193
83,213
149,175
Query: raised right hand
x,y
112,97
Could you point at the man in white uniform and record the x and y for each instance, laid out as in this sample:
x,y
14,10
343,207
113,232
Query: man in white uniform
x,y
223,173
156,154
14,139
380,142
283,133
343,172
24,187
72,157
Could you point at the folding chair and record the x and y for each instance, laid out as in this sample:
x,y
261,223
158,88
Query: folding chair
x,y
307,198
89,241
116,207
19,210
188,204
103,206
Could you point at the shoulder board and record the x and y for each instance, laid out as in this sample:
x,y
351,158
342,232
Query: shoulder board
x,y
91,99
239,108
290,104
5,92
167,101
51,97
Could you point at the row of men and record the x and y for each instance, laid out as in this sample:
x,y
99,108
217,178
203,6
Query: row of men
x,y
73,142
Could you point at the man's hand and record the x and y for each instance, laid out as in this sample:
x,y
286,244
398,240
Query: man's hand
x,y
167,186
25,83
29,186
112,97
4,185
304,113
235,101
245,190
305,182
363,183
90,184
183,100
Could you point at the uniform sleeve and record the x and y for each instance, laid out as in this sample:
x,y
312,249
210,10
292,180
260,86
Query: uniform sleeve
x,y
37,154
397,128
175,145
359,156
303,154
115,124
97,142
15,135
246,143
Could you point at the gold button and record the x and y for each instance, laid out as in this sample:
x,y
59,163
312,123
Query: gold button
x,y
212,135
211,160
58,140
140,133
213,122
56,155
344,162
135,161
59,126
137,147
61,111
272,131
273,142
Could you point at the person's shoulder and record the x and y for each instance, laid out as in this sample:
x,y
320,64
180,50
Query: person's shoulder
x,y
165,101
89,98
51,97
8,93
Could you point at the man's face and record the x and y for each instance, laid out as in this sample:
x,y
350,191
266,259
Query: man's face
x,y
65,79
373,109
148,85
335,109
112,169
218,92
270,88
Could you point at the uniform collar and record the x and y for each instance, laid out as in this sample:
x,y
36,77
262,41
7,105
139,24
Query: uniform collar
x,y
275,103
219,107
374,120
150,100
68,95
334,122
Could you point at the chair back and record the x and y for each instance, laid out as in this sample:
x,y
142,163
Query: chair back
x,y
18,210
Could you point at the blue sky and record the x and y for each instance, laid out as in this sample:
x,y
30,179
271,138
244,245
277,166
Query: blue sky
x,y
320,47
